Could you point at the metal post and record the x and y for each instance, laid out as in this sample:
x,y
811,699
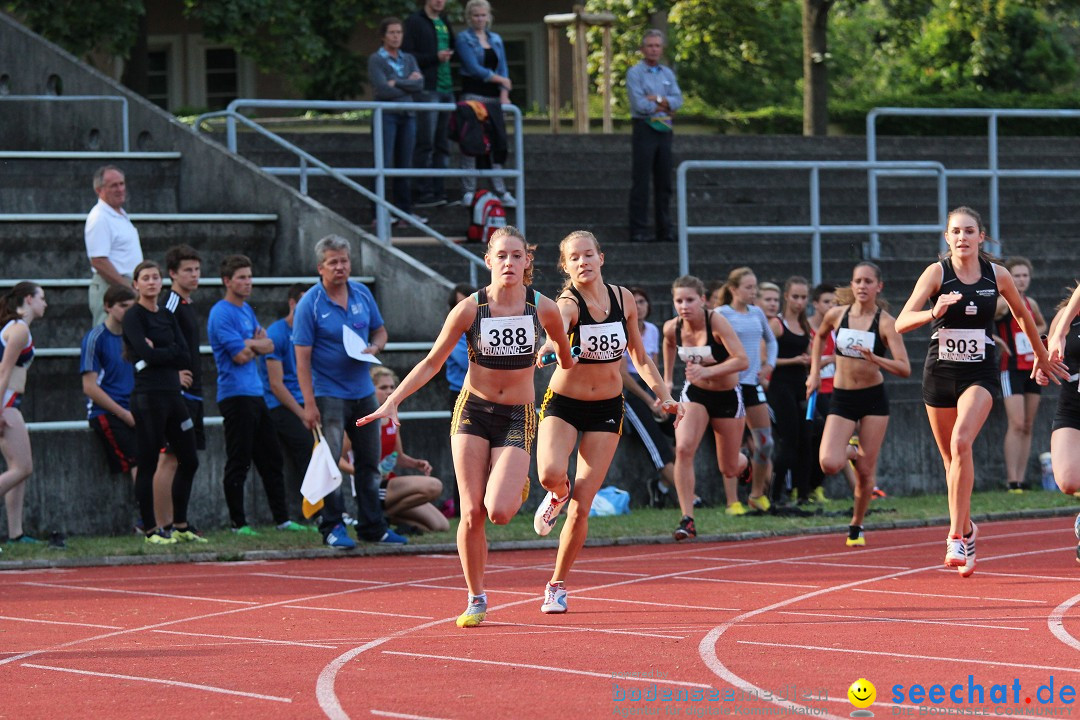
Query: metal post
x,y
553,82
871,182
303,176
683,214
230,132
815,220
519,161
382,216
995,215
126,125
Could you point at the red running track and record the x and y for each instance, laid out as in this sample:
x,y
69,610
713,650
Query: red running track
x,y
768,627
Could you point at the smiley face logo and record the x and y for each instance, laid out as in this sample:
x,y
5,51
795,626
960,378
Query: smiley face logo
x,y
862,694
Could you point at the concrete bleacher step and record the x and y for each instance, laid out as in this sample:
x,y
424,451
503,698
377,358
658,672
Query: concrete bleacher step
x,y
57,182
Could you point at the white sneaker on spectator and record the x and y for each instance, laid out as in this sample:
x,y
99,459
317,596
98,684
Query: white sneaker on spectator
x,y
467,199
508,200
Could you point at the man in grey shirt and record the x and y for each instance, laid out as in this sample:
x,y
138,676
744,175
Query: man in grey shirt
x,y
654,98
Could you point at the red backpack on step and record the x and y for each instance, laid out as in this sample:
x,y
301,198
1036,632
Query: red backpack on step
x,y
488,214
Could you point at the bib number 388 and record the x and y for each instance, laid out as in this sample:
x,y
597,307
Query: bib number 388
x,y
961,345
503,336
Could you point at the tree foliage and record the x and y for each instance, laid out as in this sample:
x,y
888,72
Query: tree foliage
x,y
307,41
80,28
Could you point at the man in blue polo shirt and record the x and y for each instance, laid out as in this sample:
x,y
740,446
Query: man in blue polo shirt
x,y
237,339
337,386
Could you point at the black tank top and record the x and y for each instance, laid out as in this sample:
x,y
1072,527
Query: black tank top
x,y
1072,353
954,332
600,341
878,347
717,352
790,345
504,343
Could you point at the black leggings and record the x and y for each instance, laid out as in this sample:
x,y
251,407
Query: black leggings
x,y
161,417
792,437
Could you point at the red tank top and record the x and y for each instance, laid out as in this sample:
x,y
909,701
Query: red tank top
x,y
1008,329
388,438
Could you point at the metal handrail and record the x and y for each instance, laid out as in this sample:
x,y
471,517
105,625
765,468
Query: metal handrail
x,y
58,425
125,123
992,171
391,347
380,172
208,281
306,157
815,228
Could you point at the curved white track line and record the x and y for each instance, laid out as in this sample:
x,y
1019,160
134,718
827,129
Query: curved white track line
x,y
1057,627
707,646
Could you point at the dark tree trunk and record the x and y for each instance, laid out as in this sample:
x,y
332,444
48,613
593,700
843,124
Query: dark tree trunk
x,y
815,68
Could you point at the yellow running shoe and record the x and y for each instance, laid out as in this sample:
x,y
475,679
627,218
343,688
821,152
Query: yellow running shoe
x,y
855,536
736,508
760,503
189,534
818,495
474,614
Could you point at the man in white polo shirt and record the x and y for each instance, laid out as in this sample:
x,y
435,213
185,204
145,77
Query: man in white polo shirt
x,y
112,242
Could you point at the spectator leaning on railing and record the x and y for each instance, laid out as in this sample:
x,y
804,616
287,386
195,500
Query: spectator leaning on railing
x,y
429,38
395,77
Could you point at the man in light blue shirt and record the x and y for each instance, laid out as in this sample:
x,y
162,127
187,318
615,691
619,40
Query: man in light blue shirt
x,y
337,387
237,339
654,98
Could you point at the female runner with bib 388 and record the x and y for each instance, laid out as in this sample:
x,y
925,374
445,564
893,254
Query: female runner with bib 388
x,y
494,421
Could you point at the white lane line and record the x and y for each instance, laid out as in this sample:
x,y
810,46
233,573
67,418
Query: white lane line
x,y
574,628
950,660
58,622
360,612
582,571
438,556
90,588
849,566
655,604
247,639
385,713
1026,576
746,582
872,618
159,681
568,671
951,597
1057,626
464,589
284,576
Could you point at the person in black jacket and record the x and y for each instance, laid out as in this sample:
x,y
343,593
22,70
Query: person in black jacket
x,y
155,344
430,39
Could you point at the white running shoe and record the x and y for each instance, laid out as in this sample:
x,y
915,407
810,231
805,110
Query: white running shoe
x,y
508,200
1076,531
955,551
554,599
548,513
969,552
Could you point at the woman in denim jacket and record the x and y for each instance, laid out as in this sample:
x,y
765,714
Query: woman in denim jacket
x,y
394,77
484,78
